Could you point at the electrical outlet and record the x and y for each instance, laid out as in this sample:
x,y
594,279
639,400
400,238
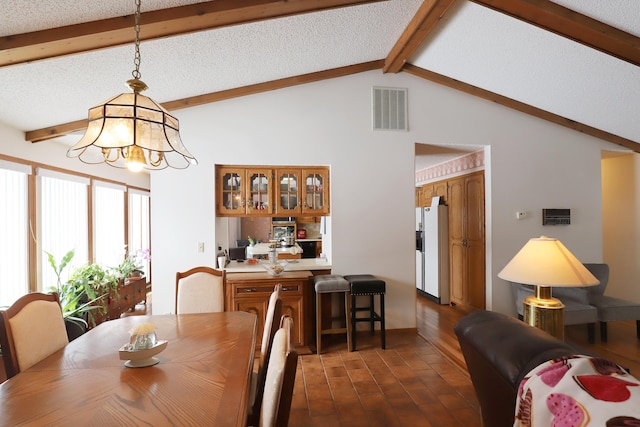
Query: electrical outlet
x,y
200,246
521,215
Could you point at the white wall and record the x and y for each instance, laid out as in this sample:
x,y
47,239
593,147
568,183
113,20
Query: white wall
x,y
621,224
371,221
530,165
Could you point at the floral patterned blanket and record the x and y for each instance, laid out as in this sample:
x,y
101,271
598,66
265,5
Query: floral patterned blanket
x,y
578,391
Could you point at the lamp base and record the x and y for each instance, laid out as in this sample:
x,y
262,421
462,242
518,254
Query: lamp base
x,y
545,312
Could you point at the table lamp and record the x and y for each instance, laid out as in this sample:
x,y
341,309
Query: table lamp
x,y
545,262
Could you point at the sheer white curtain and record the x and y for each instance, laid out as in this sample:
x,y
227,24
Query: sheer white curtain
x,y
139,227
108,223
63,218
14,231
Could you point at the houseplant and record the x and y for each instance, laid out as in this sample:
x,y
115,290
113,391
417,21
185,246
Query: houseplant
x,y
82,295
126,268
132,264
87,290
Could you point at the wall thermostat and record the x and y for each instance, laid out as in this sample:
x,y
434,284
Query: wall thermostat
x,y
556,216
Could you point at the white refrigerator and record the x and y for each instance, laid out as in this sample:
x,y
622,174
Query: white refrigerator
x,y
432,253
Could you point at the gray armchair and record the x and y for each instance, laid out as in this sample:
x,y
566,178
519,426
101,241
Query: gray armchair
x,y
576,312
609,308
588,304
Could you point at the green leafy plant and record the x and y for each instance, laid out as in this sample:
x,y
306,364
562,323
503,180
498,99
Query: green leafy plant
x,y
131,264
82,295
57,268
125,268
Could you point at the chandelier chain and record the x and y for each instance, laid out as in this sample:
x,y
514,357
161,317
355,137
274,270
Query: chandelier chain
x,y
136,60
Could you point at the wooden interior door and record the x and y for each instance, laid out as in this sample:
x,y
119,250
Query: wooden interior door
x,y
467,240
476,262
458,289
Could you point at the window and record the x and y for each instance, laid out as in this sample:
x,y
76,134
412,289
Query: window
x,y
63,222
108,223
56,212
14,220
139,227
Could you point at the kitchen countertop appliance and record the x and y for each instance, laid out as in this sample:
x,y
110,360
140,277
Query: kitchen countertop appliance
x,y
288,241
308,248
283,230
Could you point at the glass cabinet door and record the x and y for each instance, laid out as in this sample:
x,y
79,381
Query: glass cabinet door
x,y
316,191
271,191
231,191
259,191
288,191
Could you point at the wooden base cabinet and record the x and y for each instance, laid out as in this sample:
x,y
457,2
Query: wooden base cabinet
x,y
250,292
123,299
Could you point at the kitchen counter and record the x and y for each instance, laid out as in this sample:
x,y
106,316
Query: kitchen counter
x,y
309,240
263,249
292,265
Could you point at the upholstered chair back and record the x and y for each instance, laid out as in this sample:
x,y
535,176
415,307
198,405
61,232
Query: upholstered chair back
x,y
200,290
32,329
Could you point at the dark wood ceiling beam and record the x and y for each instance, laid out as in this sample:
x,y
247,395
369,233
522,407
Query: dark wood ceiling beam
x,y
572,25
423,22
88,36
67,128
519,106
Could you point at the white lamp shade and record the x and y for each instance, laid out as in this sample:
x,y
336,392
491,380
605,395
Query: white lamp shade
x,y
545,261
132,120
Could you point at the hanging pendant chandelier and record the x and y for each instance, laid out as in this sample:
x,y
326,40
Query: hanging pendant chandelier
x,y
131,130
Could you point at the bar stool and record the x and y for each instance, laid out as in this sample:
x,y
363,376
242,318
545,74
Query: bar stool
x,y
325,284
366,284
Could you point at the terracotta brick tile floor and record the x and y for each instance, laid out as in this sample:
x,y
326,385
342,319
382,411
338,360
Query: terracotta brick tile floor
x,y
408,384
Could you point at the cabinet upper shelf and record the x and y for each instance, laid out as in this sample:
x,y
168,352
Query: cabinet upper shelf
x,y
272,191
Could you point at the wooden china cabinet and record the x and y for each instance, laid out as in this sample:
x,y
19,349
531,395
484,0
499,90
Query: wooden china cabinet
x,y
267,191
244,191
302,191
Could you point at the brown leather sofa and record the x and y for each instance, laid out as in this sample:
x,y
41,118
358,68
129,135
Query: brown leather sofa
x,y
499,351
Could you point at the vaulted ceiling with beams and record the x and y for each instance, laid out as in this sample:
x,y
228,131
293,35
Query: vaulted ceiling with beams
x,y
572,62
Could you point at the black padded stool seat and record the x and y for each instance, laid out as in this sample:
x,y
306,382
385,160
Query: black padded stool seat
x,y
369,285
326,284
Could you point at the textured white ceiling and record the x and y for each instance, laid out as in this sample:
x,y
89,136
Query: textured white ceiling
x,y
503,55
23,16
198,63
622,14
472,44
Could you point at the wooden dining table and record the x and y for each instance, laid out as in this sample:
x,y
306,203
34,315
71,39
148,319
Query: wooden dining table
x,y
202,378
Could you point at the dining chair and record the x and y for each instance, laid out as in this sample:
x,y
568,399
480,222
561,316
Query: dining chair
x,y
271,326
31,329
289,379
280,379
200,290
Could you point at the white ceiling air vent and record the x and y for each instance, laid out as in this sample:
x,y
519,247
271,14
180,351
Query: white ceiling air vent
x,y
389,108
